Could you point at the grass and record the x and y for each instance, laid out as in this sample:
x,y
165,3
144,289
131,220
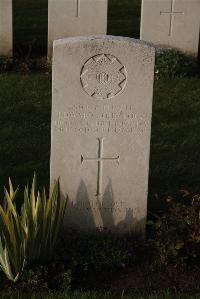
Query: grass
x,y
31,18
25,115
93,295
25,127
124,17
30,21
175,142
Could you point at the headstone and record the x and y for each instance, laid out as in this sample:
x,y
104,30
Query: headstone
x,y
173,23
68,18
6,39
101,123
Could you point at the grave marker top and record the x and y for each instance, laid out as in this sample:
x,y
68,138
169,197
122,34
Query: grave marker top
x,y
171,23
171,13
6,31
67,18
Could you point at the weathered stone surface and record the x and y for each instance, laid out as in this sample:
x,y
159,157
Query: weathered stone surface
x,y
6,39
68,18
173,23
101,123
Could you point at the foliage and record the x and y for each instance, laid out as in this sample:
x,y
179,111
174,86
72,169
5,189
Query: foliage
x,y
175,233
173,239
29,235
96,253
173,63
23,64
91,261
12,237
5,64
42,219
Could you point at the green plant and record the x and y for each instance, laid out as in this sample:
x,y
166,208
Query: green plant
x,y
12,237
5,64
65,280
29,235
42,219
175,232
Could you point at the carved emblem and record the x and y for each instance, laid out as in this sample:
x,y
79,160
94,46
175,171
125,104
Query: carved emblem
x,y
103,76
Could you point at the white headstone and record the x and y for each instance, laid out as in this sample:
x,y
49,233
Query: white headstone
x,y
68,18
173,23
6,39
101,125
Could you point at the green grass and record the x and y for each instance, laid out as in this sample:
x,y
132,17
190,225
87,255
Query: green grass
x,y
25,114
175,142
24,127
93,295
124,17
31,21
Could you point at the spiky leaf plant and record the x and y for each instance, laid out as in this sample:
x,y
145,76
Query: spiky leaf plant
x,y
42,218
30,235
12,237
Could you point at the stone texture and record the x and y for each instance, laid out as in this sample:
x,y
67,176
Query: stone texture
x,y
101,123
173,23
68,18
6,39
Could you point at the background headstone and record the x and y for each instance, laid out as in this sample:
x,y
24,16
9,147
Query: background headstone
x,y
6,31
69,18
173,23
101,123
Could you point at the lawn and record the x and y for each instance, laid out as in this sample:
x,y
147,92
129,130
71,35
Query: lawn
x,y
175,140
25,131
25,127
93,295
30,20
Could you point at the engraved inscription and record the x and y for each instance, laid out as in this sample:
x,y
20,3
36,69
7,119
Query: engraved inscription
x,y
101,119
171,14
100,159
94,205
103,77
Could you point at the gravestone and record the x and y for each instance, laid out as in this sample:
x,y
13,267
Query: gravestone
x,y
68,18
101,123
6,39
173,23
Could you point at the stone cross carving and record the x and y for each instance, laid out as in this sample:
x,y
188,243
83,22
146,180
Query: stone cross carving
x,y
78,8
100,159
171,13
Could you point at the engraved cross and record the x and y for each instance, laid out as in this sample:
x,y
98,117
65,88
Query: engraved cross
x,y
78,6
172,12
100,159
